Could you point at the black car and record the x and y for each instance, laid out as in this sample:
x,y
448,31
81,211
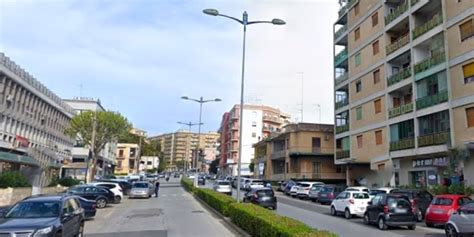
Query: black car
x,y
102,196
329,192
44,215
264,197
201,180
390,210
89,207
419,199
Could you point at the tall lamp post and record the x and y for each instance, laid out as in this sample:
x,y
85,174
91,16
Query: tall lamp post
x,y
189,124
244,22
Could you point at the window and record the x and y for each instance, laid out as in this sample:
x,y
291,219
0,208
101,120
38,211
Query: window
x,y
468,71
120,153
357,59
356,9
375,47
467,29
378,106
254,134
359,113
359,141
316,144
358,86
378,137
119,164
356,34
470,117
376,75
132,152
375,19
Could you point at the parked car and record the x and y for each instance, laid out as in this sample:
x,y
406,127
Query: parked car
x,y
350,203
328,193
141,189
305,187
223,186
419,199
442,207
461,221
114,187
44,215
89,207
358,188
294,189
264,197
314,192
288,187
390,210
245,183
101,196
255,183
124,185
280,185
376,191
176,175
201,180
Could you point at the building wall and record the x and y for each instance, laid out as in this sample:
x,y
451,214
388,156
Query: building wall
x,y
367,31
458,88
123,162
369,149
368,114
364,6
453,8
367,57
462,133
368,86
457,47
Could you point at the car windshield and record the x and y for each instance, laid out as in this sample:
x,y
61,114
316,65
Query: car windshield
x,y
360,195
34,210
326,189
257,183
265,193
396,202
304,185
316,188
223,183
375,192
442,201
140,185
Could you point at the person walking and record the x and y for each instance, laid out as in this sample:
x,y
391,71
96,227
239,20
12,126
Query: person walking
x,y
157,188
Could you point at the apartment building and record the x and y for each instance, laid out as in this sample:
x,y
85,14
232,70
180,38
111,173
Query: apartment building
x,y
259,122
128,159
404,88
105,159
299,151
32,124
180,148
149,163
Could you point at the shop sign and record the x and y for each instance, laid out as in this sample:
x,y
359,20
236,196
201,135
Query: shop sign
x,y
439,161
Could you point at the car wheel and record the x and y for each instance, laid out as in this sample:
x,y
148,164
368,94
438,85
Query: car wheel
x,y
412,227
80,233
117,199
333,211
313,200
366,219
451,231
101,203
419,216
347,214
381,224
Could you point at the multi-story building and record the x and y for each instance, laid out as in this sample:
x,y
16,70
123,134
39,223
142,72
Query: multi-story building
x,y
149,163
404,88
32,125
105,159
128,159
259,122
179,147
299,151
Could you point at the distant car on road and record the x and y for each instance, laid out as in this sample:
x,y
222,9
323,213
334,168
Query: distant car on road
x,y
461,221
264,197
390,210
141,189
442,207
223,186
44,215
375,191
350,203
419,199
201,180
101,196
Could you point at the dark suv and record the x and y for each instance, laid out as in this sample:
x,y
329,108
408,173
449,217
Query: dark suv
x,y
101,196
264,197
390,210
44,215
419,199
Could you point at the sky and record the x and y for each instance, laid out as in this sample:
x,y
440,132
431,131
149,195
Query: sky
x,y
140,56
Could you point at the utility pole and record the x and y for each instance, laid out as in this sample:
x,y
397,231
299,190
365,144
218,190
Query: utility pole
x,y
91,150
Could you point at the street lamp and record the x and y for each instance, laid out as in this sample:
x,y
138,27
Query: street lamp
x,y
244,22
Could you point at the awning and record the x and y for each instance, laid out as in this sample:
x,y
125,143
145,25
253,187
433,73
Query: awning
x,y
15,158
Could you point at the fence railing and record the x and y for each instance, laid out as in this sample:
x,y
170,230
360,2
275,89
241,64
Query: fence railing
x,y
402,41
433,139
400,76
406,108
402,144
395,14
342,128
435,59
427,101
340,57
427,26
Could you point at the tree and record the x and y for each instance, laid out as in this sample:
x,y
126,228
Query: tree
x,y
251,166
108,127
213,166
456,156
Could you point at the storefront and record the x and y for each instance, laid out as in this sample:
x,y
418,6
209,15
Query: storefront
x,y
422,171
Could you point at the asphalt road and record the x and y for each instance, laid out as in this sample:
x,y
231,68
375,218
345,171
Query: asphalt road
x,y
174,213
319,217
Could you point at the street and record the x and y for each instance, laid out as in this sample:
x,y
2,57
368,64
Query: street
x,y
174,213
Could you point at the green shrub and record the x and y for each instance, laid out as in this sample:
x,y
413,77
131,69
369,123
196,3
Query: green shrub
x,y
456,189
438,189
13,179
469,190
220,202
68,182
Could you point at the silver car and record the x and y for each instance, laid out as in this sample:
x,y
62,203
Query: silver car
x,y
314,192
223,186
461,222
141,189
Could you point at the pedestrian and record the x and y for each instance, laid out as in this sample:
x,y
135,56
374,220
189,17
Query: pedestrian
x,y
157,188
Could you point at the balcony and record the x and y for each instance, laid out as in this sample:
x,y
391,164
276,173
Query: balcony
x,y
420,30
427,101
402,41
342,128
399,11
400,76
404,109
340,32
342,11
403,144
342,154
428,63
278,155
341,78
351,3
268,118
342,103
340,57
433,139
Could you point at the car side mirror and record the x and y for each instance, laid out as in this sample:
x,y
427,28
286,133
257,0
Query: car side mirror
x,y
369,203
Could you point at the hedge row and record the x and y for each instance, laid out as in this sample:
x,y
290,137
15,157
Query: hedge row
x,y
255,220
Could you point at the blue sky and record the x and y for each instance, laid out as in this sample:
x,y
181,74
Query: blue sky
x,y
139,57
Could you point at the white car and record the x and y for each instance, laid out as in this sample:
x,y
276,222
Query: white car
x,y
358,188
255,183
350,203
305,187
114,187
294,189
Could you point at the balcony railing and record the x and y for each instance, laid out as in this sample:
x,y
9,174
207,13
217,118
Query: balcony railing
x,y
342,11
394,15
402,41
435,59
340,57
342,128
342,78
400,76
340,32
278,154
420,30
342,103
406,108
351,3
403,144
433,139
427,101
342,154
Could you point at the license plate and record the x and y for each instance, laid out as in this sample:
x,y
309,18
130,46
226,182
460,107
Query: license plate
x,y
401,211
265,198
438,211
324,195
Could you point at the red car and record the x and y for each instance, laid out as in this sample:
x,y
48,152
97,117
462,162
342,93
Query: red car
x,y
442,207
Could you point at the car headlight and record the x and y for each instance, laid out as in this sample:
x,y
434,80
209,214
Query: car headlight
x,y
43,231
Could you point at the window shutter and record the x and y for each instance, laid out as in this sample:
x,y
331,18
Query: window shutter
x,y
378,137
470,117
467,29
468,70
378,106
